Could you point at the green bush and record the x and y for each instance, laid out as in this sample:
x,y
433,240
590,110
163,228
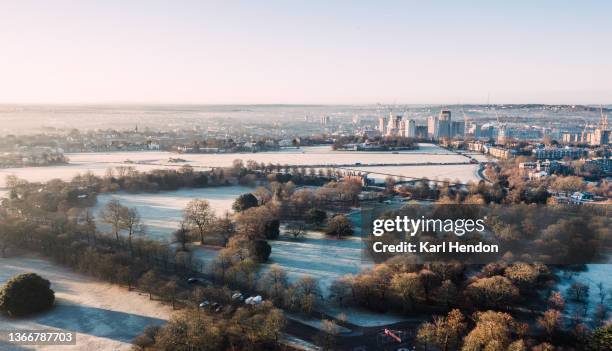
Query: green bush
x,y
244,202
26,293
260,250
272,229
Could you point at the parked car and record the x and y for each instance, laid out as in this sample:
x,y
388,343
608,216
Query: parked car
x,y
253,300
237,296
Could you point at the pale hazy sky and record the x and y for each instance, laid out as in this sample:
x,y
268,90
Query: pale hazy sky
x,y
305,51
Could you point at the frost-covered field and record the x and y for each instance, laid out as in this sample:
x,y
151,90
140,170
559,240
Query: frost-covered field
x,y
318,256
593,276
162,212
65,172
97,163
304,156
464,173
105,316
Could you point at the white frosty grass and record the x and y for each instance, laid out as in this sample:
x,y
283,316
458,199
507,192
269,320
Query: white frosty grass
x,y
162,212
97,163
481,157
64,172
464,173
105,316
204,256
298,344
318,256
595,274
302,156
365,318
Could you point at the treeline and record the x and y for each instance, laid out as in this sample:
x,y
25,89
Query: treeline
x,y
491,297
491,330
439,286
248,328
384,142
506,173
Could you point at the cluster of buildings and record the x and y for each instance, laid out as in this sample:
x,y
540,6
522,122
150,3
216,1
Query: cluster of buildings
x,y
437,128
558,153
397,126
542,169
443,127
599,136
493,150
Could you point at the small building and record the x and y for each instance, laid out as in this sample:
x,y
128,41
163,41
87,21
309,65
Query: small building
x,y
501,152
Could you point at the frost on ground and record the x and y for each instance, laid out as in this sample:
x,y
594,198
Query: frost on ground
x,y
98,163
319,256
298,344
592,277
162,212
464,173
64,172
308,155
105,316
204,256
364,318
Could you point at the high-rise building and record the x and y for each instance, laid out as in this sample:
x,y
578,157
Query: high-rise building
x,y
421,132
444,124
473,129
501,134
325,120
601,135
432,127
569,138
410,128
457,129
382,125
394,126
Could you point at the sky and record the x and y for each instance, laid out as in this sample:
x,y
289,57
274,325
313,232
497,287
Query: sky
x,y
305,52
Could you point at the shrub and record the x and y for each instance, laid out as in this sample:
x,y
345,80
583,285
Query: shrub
x,y
245,201
601,339
25,294
272,229
339,225
316,216
260,250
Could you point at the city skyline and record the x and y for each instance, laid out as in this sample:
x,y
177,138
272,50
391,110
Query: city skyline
x,y
315,53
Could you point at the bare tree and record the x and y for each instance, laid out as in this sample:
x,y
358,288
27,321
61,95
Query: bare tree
x,y
296,230
112,214
199,214
181,236
224,227
130,220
